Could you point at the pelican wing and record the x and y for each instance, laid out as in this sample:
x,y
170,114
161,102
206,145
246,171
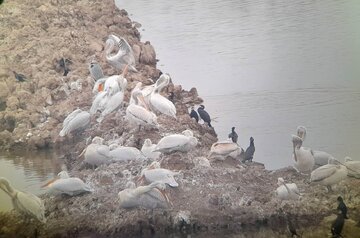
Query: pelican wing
x,y
30,205
172,142
162,105
153,199
99,102
224,147
111,84
71,116
323,172
161,175
140,115
126,153
113,103
81,120
70,186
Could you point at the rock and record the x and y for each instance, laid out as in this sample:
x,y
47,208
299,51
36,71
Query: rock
x,y
147,55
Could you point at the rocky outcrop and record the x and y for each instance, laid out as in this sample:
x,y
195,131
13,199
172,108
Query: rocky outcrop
x,y
214,197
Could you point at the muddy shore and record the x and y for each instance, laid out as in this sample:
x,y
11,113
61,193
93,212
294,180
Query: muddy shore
x,y
225,197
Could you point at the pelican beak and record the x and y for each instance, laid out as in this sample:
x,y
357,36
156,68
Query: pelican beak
x,y
166,196
140,180
125,71
50,182
142,100
101,87
82,153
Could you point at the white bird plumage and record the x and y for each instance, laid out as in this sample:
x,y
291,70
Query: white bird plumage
x,y
353,167
154,173
139,115
303,157
96,153
320,157
148,150
76,120
149,196
159,102
64,184
329,174
177,142
125,153
222,149
287,191
123,57
27,204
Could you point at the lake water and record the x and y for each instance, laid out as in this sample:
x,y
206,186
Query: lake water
x,y
264,67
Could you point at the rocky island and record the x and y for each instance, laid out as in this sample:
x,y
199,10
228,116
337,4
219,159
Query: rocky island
x,y
218,197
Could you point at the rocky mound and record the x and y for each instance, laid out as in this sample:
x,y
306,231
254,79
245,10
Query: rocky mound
x,y
212,197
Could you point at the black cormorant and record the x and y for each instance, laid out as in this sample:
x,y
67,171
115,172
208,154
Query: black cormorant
x,y
233,135
337,226
193,114
249,153
342,207
19,77
63,64
204,115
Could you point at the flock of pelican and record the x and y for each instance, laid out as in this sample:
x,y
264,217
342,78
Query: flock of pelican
x,y
145,104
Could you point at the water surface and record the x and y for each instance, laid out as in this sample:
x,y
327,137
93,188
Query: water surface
x,y
264,67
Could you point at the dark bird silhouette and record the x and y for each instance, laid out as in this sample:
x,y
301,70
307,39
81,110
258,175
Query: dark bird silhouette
x,y
19,77
233,135
249,153
204,115
337,226
63,64
193,114
291,228
342,207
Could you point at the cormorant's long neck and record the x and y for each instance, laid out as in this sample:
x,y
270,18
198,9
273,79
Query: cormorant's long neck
x,y
252,143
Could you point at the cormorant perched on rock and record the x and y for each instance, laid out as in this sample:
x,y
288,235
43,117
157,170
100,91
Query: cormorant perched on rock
x,y
19,77
342,207
249,153
291,228
193,114
204,115
233,135
337,226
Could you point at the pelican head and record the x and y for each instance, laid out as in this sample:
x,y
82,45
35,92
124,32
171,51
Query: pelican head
x,y
130,184
301,132
63,175
97,140
202,107
113,146
147,142
297,141
347,159
188,133
281,181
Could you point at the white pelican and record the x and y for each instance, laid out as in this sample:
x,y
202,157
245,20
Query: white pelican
x,y
159,102
177,142
123,57
27,204
76,120
63,184
353,167
222,149
125,153
304,159
96,153
320,157
149,196
287,191
148,150
155,173
99,102
138,114
145,91
329,174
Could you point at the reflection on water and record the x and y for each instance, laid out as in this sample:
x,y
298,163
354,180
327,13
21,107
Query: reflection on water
x,y
27,172
264,67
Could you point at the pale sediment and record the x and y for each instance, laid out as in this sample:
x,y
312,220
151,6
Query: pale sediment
x,y
227,197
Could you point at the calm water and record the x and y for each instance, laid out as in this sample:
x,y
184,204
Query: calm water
x,y
264,67
27,172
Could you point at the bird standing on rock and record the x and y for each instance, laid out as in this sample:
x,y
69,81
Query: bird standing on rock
x,y
249,153
204,115
193,114
233,135
63,64
19,77
337,226
342,207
